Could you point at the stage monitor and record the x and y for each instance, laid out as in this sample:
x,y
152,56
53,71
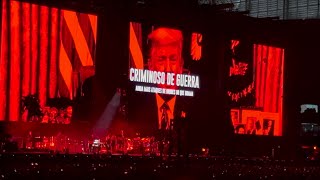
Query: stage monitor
x,y
47,54
255,88
163,75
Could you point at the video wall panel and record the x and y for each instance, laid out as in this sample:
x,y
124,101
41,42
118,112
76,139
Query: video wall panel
x,y
46,55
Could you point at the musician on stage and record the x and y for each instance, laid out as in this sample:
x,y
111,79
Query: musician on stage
x,y
29,141
121,142
113,144
108,143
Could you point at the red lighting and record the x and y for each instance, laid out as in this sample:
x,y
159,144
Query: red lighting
x,y
266,84
32,56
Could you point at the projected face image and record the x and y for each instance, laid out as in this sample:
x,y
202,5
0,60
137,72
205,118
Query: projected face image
x,y
250,124
163,73
165,51
166,59
234,117
241,130
268,127
158,65
270,123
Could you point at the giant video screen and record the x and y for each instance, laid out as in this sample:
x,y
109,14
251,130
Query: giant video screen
x,y
162,75
47,54
255,88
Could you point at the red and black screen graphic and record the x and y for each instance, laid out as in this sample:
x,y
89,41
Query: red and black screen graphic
x,y
161,74
46,54
256,88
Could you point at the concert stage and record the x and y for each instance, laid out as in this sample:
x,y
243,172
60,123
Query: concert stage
x,y
96,94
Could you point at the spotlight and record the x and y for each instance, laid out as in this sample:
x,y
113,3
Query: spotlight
x,y
205,152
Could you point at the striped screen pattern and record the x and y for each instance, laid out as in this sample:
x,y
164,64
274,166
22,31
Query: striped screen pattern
x,y
43,51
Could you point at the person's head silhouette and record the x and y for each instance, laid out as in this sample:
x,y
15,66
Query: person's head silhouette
x,y
166,50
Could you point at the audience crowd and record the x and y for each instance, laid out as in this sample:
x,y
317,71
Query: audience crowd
x,y
82,166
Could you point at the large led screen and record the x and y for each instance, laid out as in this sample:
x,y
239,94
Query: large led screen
x,y
162,75
256,88
46,55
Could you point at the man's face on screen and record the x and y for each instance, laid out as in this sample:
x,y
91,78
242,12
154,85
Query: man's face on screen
x,y
241,130
166,58
270,123
250,124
